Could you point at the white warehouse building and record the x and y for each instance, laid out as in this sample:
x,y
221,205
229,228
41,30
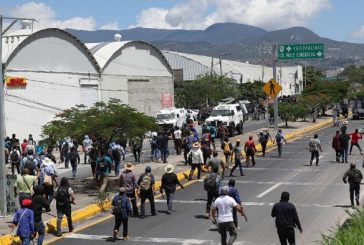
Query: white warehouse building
x,y
188,67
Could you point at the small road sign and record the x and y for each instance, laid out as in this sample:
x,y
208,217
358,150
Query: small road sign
x,y
301,51
272,88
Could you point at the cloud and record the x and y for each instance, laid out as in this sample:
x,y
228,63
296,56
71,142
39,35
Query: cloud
x,y
358,35
46,17
268,14
114,25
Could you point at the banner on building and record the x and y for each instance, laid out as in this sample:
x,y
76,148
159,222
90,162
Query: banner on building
x,y
166,100
16,82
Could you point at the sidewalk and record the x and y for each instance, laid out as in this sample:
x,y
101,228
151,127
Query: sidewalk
x,y
87,191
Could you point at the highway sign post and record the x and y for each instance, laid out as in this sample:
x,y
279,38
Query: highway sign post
x,y
301,51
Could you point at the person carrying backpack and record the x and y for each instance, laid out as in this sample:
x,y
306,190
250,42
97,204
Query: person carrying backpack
x,y
30,162
227,148
354,177
103,166
279,140
121,211
64,197
237,150
146,191
315,146
74,159
38,203
117,151
263,140
24,222
128,181
211,186
15,157
49,174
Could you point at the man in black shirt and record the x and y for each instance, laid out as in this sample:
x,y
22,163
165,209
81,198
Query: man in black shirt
x,y
38,203
344,146
354,176
286,219
146,191
169,182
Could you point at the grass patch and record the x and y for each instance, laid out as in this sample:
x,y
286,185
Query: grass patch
x,y
350,233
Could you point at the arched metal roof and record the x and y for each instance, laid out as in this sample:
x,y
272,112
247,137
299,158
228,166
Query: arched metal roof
x,y
39,33
105,52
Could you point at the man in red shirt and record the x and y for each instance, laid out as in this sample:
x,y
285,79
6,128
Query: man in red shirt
x,y
250,149
336,144
24,146
355,136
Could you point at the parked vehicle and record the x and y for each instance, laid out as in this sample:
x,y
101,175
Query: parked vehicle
x,y
170,118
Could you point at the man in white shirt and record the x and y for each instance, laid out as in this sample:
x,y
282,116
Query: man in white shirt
x,y
86,145
225,204
177,136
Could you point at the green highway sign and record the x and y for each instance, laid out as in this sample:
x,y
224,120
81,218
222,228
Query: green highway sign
x,y
301,51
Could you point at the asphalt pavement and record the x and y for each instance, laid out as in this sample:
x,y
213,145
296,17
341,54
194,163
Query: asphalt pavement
x,y
317,191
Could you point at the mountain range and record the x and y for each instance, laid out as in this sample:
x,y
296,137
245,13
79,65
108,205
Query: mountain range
x,y
236,42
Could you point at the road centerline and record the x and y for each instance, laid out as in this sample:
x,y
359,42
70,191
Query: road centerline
x,y
269,190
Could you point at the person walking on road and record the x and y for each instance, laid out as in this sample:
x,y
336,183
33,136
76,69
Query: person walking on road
x,y
24,185
250,150
222,215
74,159
136,144
227,148
103,166
263,140
315,146
237,151
121,211
336,144
163,143
86,146
279,140
146,191
188,141
129,182
355,137
216,165
64,197
177,138
354,177
169,183
234,193
211,186
287,219
24,221
196,157
15,158
344,146
38,203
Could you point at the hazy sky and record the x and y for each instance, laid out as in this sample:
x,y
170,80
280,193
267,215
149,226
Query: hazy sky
x,y
341,20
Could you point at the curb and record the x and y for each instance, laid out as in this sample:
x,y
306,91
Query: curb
x,y
94,209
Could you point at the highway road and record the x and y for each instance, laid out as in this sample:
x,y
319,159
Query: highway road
x,y
318,193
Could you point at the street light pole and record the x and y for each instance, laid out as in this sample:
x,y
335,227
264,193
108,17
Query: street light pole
x,y
3,205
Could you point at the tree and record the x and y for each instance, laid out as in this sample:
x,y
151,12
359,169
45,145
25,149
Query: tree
x,y
105,121
286,111
354,73
193,94
252,90
311,75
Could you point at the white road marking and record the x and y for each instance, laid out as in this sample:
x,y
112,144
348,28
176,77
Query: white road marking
x,y
269,190
287,183
259,204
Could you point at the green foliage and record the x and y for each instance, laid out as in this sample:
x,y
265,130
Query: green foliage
x,y
103,120
311,75
352,232
354,73
193,94
251,90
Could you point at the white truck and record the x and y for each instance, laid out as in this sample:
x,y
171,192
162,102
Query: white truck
x,y
171,118
229,114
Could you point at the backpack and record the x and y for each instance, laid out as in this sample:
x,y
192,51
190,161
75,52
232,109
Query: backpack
x,y
47,180
29,164
120,208
62,196
279,138
73,156
146,183
210,183
14,157
226,148
65,148
312,146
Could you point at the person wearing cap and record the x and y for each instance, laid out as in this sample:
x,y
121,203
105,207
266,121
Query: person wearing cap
x,y
38,203
315,146
355,137
279,140
196,160
222,214
168,184
287,219
354,177
128,180
146,191
237,151
24,221
250,149
122,211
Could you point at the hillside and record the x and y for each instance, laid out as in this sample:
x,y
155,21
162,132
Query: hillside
x,y
243,42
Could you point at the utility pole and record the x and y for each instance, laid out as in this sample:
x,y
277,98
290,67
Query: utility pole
x,y
275,79
3,202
